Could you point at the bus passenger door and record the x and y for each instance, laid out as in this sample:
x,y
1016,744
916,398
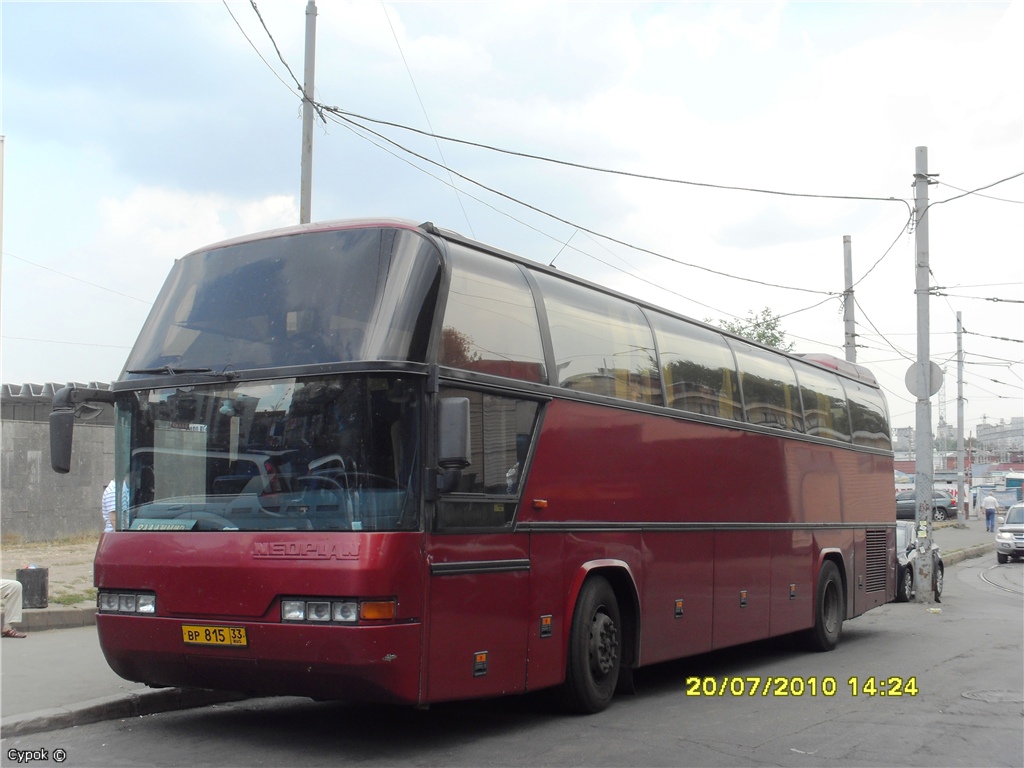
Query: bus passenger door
x,y
477,625
479,569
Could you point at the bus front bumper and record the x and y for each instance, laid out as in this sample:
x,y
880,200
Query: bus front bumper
x,y
355,663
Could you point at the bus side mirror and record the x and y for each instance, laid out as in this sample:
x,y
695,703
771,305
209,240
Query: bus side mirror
x,y
453,451
69,402
62,426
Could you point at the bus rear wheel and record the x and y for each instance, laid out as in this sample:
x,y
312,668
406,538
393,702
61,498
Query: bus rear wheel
x,y
594,657
829,609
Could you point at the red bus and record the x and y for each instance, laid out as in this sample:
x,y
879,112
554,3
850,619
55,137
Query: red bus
x,y
376,461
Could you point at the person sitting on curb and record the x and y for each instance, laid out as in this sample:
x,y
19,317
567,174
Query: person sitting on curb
x,y
10,594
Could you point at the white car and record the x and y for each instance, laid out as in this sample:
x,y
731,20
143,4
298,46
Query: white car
x,y
1010,535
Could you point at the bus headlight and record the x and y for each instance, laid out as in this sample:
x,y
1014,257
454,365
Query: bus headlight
x,y
345,612
126,602
318,611
293,610
323,611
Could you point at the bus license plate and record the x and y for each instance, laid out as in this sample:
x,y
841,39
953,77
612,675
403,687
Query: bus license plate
x,y
198,635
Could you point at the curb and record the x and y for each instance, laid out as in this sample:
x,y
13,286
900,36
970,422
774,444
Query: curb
x,y
113,708
39,619
959,555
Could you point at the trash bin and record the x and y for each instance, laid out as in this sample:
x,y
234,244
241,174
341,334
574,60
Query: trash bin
x,y
35,587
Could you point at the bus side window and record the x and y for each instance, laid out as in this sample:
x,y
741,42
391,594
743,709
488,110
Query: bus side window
x,y
603,345
770,392
490,321
501,430
698,369
868,416
824,401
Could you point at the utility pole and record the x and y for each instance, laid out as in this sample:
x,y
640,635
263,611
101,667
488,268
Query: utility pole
x,y
850,335
306,181
925,385
3,140
960,493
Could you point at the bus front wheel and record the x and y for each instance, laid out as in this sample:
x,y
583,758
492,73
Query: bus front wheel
x,y
594,655
829,609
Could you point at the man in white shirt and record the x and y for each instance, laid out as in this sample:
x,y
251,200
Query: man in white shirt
x,y
107,507
989,504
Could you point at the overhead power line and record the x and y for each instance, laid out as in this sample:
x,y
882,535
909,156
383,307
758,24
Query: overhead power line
x,y
343,120
426,117
973,191
251,43
346,115
937,291
77,279
987,197
521,222
69,343
897,350
997,338
274,43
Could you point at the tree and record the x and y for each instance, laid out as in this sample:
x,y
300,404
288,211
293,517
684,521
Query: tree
x,y
763,328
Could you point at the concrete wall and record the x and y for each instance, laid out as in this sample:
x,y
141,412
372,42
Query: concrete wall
x,y
36,503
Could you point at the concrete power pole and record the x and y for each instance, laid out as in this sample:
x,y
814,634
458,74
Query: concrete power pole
x,y
2,148
850,335
960,493
926,383
306,182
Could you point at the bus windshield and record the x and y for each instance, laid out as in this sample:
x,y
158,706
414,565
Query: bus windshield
x,y
327,453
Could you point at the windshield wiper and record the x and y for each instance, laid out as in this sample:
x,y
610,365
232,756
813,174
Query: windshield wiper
x,y
169,371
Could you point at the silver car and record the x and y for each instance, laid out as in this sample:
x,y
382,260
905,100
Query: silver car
x,y
1010,535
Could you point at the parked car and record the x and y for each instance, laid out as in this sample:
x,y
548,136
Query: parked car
x,y
906,564
1010,535
943,507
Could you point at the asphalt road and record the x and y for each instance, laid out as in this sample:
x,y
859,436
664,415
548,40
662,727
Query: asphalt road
x,y
958,668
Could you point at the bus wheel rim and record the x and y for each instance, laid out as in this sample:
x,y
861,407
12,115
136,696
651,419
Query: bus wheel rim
x,y
604,645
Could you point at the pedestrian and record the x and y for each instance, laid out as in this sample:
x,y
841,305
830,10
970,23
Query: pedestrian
x,y
989,504
10,596
107,506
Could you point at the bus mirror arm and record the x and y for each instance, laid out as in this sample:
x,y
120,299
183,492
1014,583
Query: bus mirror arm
x,y
67,403
448,480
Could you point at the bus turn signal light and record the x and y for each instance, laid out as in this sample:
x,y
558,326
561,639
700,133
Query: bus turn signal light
x,y
383,610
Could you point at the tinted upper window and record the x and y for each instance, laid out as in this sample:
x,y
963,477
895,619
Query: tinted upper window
x,y
490,321
824,400
698,369
868,416
770,393
306,298
602,344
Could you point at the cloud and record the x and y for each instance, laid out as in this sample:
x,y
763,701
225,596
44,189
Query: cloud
x,y
86,334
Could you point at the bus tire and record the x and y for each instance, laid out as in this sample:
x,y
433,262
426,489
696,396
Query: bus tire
x,y
594,653
829,609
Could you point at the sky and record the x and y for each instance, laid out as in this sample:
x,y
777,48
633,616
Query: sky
x,y
136,132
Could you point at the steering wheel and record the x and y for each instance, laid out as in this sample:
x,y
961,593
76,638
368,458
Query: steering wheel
x,y
309,482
